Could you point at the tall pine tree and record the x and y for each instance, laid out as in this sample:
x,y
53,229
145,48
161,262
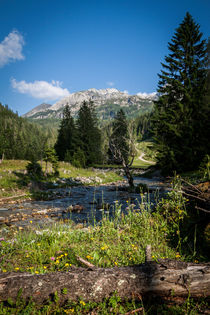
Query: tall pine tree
x,y
181,114
67,140
89,133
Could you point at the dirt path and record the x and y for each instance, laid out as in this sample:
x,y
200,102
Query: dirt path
x,y
143,160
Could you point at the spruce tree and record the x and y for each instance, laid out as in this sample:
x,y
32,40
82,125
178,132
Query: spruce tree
x,y
180,119
89,134
66,143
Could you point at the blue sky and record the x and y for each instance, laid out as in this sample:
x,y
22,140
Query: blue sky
x,y
49,48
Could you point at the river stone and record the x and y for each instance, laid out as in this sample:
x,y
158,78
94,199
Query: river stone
x,y
2,220
3,209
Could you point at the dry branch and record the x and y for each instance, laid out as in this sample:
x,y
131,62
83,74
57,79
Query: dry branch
x,y
168,280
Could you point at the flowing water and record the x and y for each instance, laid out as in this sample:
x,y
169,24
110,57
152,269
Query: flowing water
x,y
83,203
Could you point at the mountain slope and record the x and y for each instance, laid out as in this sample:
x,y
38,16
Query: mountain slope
x,y
107,102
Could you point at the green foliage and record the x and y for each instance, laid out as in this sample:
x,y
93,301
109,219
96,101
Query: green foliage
x,y
20,139
89,134
78,159
50,157
180,121
205,168
173,209
144,125
67,140
34,170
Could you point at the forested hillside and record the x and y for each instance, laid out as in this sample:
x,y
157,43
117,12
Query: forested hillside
x,y
21,139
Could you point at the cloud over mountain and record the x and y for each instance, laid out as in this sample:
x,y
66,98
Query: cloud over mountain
x,y
147,95
11,48
41,89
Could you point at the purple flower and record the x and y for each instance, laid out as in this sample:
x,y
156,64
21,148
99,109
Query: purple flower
x,y
52,258
1,239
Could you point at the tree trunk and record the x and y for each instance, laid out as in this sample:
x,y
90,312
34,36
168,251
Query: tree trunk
x,y
168,280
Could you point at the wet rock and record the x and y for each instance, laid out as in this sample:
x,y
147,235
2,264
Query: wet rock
x,y
2,220
75,208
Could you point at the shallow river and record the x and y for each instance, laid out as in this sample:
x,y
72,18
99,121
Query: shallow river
x,y
82,203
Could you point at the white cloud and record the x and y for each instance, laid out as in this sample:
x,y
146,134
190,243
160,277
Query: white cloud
x,y
147,95
110,83
41,89
11,48
126,92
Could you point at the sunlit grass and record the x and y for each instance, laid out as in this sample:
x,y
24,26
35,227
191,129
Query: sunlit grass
x,y
11,184
119,241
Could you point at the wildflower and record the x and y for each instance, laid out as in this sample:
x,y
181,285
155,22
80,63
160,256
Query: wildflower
x,y
45,267
31,222
104,247
36,272
4,270
17,268
52,258
178,255
65,254
92,238
57,262
27,255
38,244
83,303
31,267
116,263
196,261
89,257
67,264
1,239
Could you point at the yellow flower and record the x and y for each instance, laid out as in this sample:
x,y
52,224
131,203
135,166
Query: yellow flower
x,y
45,267
116,263
36,272
4,270
31,222
82,302
66,254
27,255
66,265
31,267
17,268
178,255
104,247
196,261
57,262
38,244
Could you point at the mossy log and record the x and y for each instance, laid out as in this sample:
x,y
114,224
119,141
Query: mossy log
x,y
167,280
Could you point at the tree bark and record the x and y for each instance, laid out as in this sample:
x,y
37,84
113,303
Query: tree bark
x,y
168,280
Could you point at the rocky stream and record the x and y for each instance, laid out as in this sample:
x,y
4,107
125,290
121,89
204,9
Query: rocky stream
x,y
82,204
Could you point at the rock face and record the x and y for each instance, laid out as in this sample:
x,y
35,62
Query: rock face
x,y
37,109
107,102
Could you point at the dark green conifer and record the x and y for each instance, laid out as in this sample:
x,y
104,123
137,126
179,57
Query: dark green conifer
x,y
180,119
66,143
89,133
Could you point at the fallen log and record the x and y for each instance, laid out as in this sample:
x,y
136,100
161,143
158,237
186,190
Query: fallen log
x,y
168,279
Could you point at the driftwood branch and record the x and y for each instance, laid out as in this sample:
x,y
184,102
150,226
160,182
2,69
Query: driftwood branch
x,y
85,262
171,280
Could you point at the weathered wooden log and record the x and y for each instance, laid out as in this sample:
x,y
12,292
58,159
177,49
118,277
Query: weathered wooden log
x,y
166,279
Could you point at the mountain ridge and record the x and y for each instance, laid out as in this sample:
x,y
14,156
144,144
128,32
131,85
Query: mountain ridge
x,y
107,102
